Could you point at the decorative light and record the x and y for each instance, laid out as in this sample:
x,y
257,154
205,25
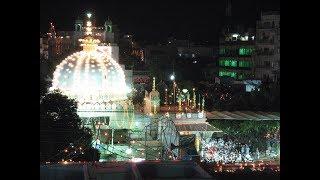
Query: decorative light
x,y
137,159
89,15
235,35
172,77
129,151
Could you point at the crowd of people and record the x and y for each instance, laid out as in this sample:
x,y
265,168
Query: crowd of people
x,y
227,151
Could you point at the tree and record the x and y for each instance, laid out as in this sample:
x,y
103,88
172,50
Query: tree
x,y
60,128
249,132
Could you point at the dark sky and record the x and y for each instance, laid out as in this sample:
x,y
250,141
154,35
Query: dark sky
x,y
155,20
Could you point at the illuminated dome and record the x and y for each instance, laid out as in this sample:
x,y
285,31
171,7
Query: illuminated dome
x,y
93,78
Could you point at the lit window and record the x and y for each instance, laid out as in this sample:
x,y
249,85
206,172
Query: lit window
x,y
235,35
245,51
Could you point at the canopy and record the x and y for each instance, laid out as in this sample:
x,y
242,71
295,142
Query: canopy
x,y
244,115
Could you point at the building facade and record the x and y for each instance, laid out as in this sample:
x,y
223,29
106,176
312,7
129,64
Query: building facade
x,y
236,55
267,56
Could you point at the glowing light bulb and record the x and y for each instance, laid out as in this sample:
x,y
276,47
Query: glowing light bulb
x,y
89,15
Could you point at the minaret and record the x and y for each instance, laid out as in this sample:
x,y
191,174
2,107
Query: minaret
x,y
199,104
153,89
166,97
202,103
154,97
52,31
153,84
179,100
78,25
194,98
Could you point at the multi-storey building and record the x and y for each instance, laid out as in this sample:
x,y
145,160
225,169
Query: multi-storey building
x,y
267,56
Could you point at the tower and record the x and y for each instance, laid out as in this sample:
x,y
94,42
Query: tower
x,y
108,26
78,25
78,31
109,34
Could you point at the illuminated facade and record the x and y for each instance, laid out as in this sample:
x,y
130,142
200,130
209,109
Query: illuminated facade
x,y
236,53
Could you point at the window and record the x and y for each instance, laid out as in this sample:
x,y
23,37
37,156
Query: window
x,y
267,64
222,51
245,51
228,63
245,64
241,76
228,73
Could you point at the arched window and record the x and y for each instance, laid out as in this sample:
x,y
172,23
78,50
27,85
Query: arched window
x,y
78,27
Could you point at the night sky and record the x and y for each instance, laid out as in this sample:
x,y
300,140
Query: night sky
x,y
156,20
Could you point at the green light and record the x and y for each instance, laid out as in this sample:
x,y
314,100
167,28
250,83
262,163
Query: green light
x,y
228,73
245,51
228,63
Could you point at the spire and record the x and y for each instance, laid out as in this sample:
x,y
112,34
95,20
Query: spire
x,y
89,43
154,84
203,103
52,32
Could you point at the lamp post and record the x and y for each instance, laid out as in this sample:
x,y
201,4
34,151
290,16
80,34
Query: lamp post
x,y
166,97
194,98
172,78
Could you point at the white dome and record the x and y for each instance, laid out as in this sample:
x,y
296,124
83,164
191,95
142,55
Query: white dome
x,y
91,77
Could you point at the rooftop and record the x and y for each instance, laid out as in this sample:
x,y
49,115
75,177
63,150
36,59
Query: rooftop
x,y
125,170
244,115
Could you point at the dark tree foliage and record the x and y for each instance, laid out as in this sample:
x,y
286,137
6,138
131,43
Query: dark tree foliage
x,y
60,129
250,132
